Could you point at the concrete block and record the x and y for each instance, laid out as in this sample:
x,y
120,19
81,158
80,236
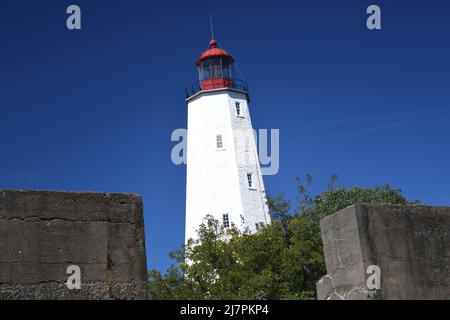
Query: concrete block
x,y
42,233
409,243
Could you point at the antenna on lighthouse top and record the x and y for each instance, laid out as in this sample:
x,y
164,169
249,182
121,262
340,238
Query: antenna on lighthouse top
x,y
211,25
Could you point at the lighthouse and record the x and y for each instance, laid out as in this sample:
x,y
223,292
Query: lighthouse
x,y
224,177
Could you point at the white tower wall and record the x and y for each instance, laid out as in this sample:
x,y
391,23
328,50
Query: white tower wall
x,y
217,177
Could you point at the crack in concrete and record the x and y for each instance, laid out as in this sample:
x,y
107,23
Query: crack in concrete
x,y
41,219
54,263
346,294
338,252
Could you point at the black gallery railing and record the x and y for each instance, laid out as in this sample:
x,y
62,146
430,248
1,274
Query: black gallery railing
x,y
216,83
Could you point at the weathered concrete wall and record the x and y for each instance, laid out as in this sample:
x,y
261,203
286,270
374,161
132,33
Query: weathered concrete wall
x,y
410,244
44,232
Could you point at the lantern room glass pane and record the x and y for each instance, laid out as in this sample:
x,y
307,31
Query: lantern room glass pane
x,y
216,68
226,69
205,70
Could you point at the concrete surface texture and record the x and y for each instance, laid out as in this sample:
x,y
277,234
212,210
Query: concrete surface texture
x,y
410,244
42,233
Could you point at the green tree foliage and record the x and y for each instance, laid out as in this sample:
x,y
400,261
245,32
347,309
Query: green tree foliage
x,y
283,260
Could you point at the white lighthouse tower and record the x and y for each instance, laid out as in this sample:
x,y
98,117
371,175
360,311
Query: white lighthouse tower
x,y
223,172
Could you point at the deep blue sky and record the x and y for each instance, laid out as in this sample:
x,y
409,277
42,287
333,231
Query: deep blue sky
x,y
93,110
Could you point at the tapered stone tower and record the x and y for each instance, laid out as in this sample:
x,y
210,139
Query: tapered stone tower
x,y
223,172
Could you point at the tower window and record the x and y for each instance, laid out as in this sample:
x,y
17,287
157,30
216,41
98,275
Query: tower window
x,y
250,180
238,109
219,142
226,220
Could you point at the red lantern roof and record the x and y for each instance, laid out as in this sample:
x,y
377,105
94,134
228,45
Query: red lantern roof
x,y
214,52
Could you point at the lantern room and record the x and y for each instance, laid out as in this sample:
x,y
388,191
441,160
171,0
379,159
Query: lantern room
x,y
215,68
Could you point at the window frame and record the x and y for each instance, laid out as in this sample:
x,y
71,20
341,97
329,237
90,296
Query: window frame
x,y
219,140
238,105
250,181
226,222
